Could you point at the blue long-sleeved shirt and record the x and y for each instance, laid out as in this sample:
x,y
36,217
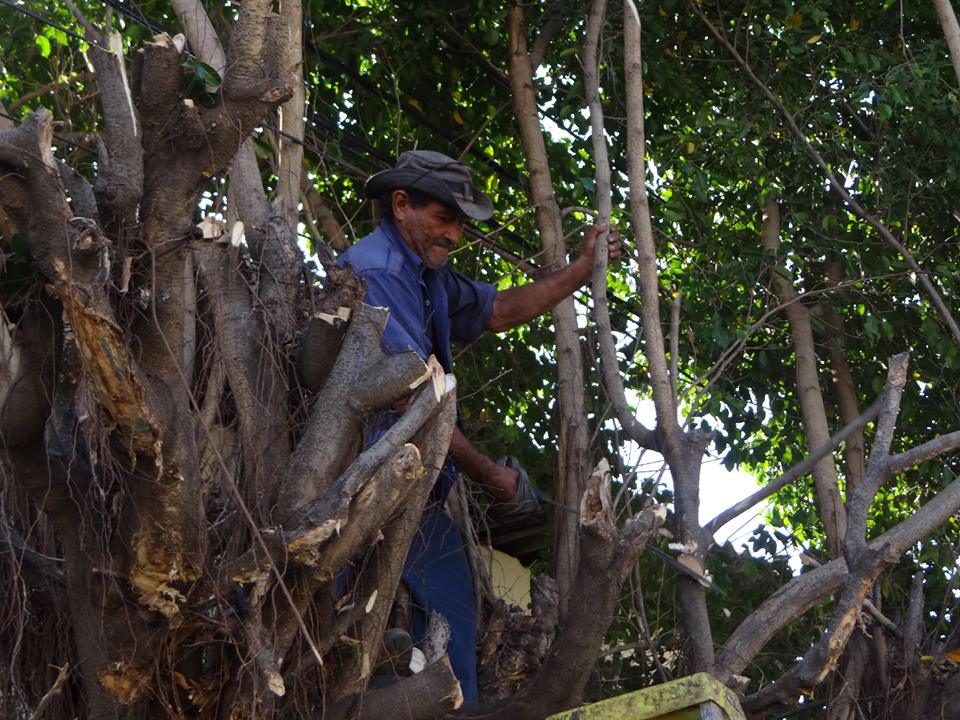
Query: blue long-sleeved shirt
x,y
428,308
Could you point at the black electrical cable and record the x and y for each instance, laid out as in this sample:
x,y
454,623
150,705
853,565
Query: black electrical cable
x,y
40,18
141,18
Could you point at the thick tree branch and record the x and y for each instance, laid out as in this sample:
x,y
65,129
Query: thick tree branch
x,y
612,380
932,448
913,622
838,187
865,561
119,182
951,31
654,347
383,574
858,505
246,197
290,167
684,452
573,456
855,451
547,33
428,695
815,426
844,705
806,591
259,401
361,382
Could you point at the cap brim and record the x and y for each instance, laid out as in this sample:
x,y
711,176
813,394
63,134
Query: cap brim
x,y
482,210
479,208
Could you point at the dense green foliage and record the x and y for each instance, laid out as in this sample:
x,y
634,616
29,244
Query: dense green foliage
x,y
872,88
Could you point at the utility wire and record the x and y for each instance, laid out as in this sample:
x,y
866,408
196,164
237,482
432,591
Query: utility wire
x,y
40,18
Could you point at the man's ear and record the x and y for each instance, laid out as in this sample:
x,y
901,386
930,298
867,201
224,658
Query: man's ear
x,y
401,203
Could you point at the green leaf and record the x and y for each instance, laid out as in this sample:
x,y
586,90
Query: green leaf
x,y
44,44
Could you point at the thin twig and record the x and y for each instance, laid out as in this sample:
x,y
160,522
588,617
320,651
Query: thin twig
x,y
675,342
55,690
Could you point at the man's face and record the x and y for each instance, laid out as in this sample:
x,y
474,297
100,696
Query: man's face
x,y
431,231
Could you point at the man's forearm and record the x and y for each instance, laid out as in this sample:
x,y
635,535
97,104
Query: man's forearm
x,y
518,305
499,482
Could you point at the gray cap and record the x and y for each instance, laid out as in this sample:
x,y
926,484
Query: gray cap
x,y
436,175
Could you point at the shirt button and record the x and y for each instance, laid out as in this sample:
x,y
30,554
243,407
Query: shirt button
x,y
428,303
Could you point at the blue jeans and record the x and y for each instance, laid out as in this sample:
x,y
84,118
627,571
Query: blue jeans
x,y
437,573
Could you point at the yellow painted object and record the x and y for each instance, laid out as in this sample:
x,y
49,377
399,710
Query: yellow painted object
x,y
511,580
696,697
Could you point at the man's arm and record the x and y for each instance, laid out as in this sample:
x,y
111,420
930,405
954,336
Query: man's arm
x,y
518,305
499,482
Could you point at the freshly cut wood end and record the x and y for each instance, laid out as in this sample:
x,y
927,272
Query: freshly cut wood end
x,y
456,694
236,234
275,683
163,39
439,378
596,498
211,227
337,319
432,370
418,661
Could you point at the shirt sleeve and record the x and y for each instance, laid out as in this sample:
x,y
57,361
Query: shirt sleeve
x,y
404,329
470,306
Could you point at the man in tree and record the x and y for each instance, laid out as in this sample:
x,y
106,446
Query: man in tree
x,y
424,201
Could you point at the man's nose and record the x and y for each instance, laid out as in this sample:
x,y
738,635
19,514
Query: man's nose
x,y
453,232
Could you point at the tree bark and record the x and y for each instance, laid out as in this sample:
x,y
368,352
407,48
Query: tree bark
x,y
613,552
847,397
574,449
683,452
815,427
951,32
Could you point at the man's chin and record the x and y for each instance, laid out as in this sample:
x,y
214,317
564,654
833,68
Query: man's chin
x,y
434,261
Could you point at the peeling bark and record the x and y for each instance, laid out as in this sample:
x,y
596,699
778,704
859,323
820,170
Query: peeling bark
x,y
845,705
